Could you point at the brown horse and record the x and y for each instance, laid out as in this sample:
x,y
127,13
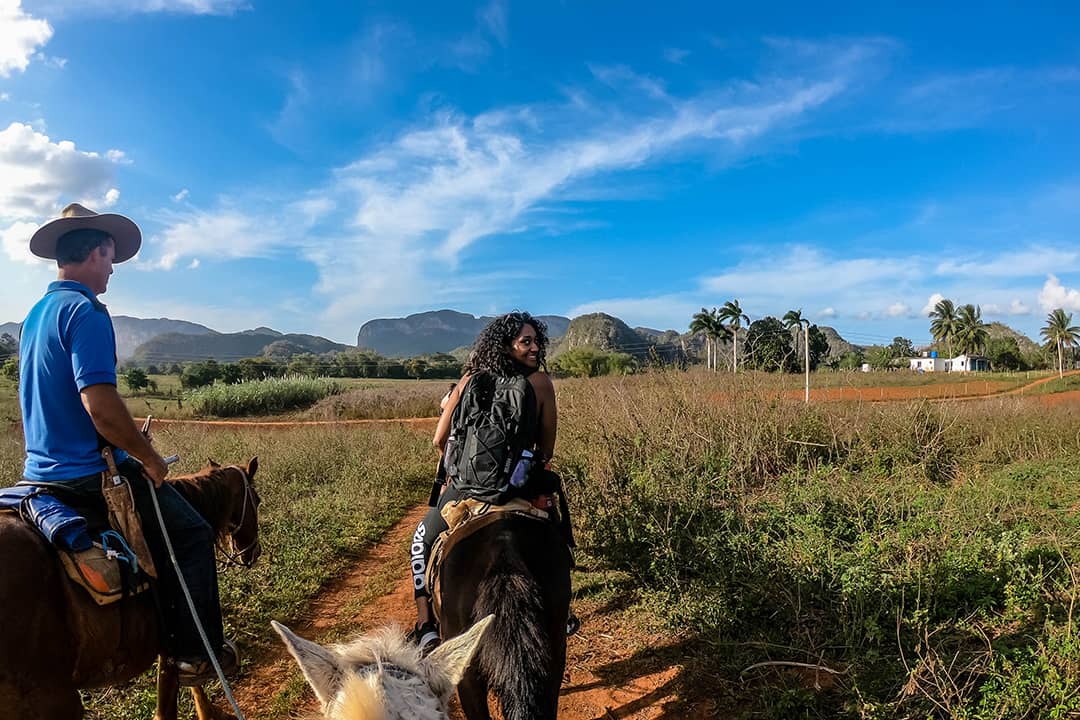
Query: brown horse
x,y
56,640
516,568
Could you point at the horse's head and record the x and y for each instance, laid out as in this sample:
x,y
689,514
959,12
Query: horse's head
x,y
226,496
382,675
243,527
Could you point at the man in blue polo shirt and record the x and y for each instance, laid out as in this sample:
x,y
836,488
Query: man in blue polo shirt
x,y
71,410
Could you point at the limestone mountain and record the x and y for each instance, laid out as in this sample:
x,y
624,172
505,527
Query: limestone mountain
x,y
432,332
603,332
838,346
230,347
132,331
1026,344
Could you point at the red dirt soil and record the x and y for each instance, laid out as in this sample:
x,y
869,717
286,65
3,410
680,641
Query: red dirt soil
x,y
599,684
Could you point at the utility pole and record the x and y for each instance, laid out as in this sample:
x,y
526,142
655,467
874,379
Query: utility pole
x,y
806,357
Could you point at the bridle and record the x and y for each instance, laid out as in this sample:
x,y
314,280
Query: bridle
x,y
234,557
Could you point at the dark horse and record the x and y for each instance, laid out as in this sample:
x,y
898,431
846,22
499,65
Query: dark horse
x,y
56,640
517,568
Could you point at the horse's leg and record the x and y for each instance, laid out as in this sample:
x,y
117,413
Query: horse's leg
x,y
168,689
473,694
206,710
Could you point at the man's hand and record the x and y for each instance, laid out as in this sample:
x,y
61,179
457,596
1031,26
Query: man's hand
x,y
155,469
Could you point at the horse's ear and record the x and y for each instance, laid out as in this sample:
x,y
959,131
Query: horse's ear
x,y
445,666
253,465
212,463
318,664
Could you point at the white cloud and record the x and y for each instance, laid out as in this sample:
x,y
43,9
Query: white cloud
x,y
180,196
1015,308
898,310
828,312
931,303
225,233
1035,261
127,7
52,61
111,197
194,264
4,97
493,18
676,55
1054,295
20,37
16,244
37,173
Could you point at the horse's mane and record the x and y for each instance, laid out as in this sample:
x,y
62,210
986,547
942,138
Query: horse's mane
x,y
362,699
209,492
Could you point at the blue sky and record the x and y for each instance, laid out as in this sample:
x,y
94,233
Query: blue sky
x,y
310,166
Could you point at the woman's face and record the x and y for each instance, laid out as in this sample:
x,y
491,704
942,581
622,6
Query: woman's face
x,y
525,348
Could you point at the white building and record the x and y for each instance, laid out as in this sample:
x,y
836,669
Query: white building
x,y
960,363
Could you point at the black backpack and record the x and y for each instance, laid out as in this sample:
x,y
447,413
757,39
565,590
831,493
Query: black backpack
x,y
493,422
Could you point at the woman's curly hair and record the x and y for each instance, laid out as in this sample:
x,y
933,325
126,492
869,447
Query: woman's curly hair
x,y
491,352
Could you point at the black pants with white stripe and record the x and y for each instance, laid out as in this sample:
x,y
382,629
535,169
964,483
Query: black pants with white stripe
x,y
424,538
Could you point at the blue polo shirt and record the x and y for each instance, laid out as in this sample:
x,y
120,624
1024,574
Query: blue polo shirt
x,y
67,344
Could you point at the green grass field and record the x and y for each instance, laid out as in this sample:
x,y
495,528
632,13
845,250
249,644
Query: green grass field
x,y
925,552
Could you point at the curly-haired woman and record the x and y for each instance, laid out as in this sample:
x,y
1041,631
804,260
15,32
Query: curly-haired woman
x,y
512,345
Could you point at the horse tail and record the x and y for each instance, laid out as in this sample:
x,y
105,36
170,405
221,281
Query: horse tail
x,y
515,653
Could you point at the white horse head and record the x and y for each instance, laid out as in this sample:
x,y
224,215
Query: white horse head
x,y
382,676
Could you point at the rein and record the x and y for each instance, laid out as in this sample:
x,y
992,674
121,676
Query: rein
x,y
233,558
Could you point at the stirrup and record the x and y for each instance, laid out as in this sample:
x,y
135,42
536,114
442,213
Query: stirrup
x,y
197,672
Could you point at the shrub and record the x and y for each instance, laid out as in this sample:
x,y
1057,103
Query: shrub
x,y
261,397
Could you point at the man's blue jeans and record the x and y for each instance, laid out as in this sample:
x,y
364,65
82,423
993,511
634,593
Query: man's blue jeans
x,y
193,542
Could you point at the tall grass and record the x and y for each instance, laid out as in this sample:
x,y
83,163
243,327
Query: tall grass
x,y
381,401
261,397
924,551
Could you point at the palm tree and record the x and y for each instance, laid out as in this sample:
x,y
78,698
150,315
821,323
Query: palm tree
x,y
794,319
733,314
704,322
970,330
944,323
1060,332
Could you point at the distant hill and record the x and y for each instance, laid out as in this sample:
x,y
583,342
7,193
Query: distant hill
x,y
432,332
230,347
132,332
1026,344
837,345
603,332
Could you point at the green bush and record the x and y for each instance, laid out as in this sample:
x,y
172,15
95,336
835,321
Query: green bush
x,y
924,549
261,397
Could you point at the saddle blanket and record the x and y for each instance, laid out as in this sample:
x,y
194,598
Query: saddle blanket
x,y
94,565
62,526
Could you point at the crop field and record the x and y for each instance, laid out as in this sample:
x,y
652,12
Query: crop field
x,y
833,560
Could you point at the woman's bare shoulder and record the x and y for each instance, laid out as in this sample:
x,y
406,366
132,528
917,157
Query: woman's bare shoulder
x,y
541,382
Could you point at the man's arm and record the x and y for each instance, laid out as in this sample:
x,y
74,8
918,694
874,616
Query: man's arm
x,y
114,422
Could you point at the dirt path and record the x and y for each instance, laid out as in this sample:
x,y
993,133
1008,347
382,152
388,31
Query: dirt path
x,y
612,672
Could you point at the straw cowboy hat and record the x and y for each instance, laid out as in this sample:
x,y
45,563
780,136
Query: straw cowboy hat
x,y
124,232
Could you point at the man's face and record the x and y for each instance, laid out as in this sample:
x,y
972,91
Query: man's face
x,y
100,267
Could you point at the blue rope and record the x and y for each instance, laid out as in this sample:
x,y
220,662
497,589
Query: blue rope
x,y
122,551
